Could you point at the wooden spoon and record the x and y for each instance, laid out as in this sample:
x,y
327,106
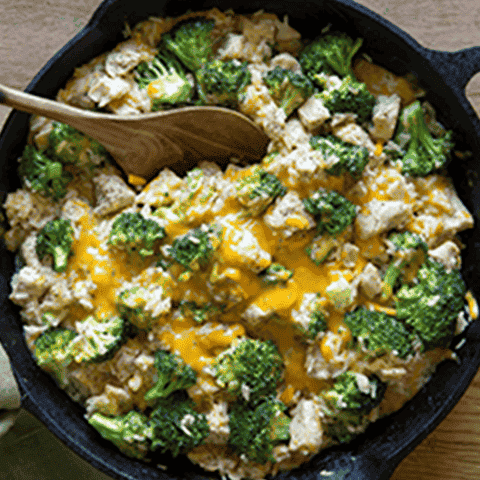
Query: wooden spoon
x,y
144,144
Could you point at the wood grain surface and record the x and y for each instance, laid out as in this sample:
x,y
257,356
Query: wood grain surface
x,y
31,32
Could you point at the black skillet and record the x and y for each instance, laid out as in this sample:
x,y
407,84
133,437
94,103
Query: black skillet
x,y
376,453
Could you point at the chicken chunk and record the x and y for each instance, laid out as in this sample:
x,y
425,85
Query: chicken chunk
x,y
370,280
448,254
306,432
112,194
313,113
385,116
288,215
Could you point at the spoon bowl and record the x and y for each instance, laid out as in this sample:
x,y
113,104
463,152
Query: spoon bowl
x,y
144,144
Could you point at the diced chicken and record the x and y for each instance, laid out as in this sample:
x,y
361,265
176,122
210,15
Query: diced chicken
x,y
112,194
370,280
354,134
349,255
158,192
255,315
241,248
135,101
385,116
232,47
294,136
104,89
288,215
341,293
379,216
217,418
286,61
259,105
305,428
126,56
448,254
313,113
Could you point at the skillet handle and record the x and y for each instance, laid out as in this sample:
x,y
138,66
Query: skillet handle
x,y
456,68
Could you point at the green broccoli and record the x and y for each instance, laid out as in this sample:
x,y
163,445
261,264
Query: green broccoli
x,y
132,305
350,97
352,396
200,313
424,154
317,324
251,369
254,431
332,211
177,427
52,352
276,274
258,190
408,248
344,157
195,249
99,340
172,374
331,53
288,89
379,332
135,233
56,239
192,42
131,433
321,247
43,175
431,305
166,81
69,146
222,82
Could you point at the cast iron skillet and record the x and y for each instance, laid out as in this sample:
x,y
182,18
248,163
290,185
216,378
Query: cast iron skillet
x,y
376,453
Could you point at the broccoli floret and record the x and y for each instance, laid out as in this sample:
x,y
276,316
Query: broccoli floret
x,y
331,53
424,153
317,324
321,247
166,81
408,248
251,369
432,303
222,82
332,211
131,433
199,313
276,274
352,397
135,233
194,250
133,305
192,42
52,352
172,374
69,146
56,239
177,427
344,157
43,175
288,89
255,431
258,190
349,97
99,340
379,332
346,394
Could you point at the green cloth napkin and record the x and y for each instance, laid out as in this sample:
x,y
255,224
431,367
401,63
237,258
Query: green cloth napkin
x,y
28,450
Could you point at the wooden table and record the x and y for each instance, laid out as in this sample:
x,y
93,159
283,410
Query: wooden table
x,y
31,32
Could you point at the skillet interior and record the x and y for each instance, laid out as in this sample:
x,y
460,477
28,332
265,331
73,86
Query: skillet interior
x,y
378,451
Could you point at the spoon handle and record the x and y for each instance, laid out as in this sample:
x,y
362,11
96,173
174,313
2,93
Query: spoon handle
x,y
33,104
